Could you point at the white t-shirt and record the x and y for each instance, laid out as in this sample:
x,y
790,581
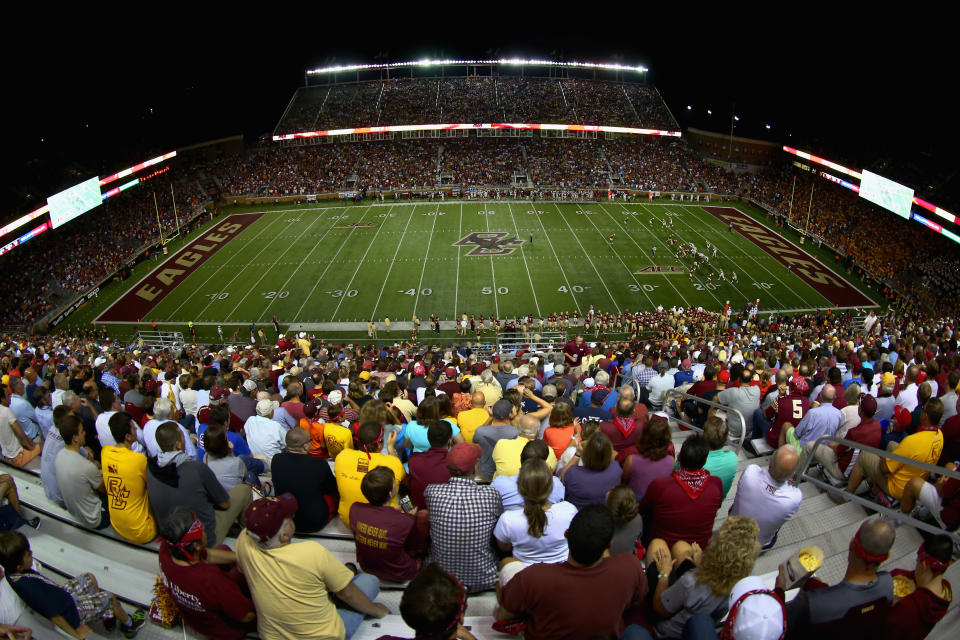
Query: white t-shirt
x,y
769,503
150,439
9,444
551,547
266,437
907,397
106,438
11,606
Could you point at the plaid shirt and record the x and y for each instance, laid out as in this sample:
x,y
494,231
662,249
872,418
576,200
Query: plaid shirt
x,y
462,517
644,375
111,381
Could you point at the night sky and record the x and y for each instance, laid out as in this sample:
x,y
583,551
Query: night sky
x,y
79,99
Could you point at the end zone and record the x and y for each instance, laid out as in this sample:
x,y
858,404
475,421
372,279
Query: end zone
x,y
824,280
155,286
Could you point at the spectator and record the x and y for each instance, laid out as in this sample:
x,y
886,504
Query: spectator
x,y
501,426
652,460
562,428
507,485
594,410
756,613
125,476
11,513
551,598
414,434
660,384
624,430
265,436
821,420
721,464
23,410
506,453
700,581
430,466
836,460
786,411
940,499
336,435
907,398
589,483
390,544
52,445
467,552
308,479
949,398
914,616
176,479
351,465
745,399
18,449
290,583
209,591
81,482
609,399
535,533
683,507
433,605
71,606
765,496
243,397
318,445
473,418
628,525
817,603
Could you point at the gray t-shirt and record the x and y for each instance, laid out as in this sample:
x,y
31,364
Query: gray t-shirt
x,y
229,470
744,399
683,599
625,536
198,489
832,603
78,479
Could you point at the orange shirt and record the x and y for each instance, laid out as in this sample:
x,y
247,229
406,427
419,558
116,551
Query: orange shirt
x,y
318,446
558,439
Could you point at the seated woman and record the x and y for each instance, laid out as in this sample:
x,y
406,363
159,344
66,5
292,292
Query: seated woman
x,y
627,523
653,459
590,482
535,533
701,580
562,428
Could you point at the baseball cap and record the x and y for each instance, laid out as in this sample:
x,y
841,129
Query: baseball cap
x,y
150,385
888,379
724,376
902,416
599,396
250,385
99,361
264,407
759,616
686,363
463,456
502,409
310,409
218,393
335,396
450,372
364,375
868,405
589,383
419,369
265,516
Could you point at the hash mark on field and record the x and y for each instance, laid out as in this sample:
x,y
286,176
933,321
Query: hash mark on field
x,y
523,253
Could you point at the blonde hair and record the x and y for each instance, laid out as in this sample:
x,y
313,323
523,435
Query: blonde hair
x,y
730,557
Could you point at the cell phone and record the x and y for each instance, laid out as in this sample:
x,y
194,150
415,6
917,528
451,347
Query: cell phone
x,y
406,504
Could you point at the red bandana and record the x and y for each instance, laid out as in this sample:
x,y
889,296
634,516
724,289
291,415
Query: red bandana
x,y
625,425
692,482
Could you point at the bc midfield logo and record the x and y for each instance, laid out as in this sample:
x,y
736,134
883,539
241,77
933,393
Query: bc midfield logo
x,y
489,243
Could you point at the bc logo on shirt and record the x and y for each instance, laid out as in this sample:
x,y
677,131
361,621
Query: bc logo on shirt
x,y
118,493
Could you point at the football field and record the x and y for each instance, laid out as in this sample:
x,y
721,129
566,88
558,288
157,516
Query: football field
x,y
319,265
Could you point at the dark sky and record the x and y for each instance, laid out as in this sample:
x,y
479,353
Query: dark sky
x,y
108,95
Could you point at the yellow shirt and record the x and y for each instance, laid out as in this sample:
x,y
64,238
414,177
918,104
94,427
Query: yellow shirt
x,y
491,394
337,437
125,476
506,455
924,446
289,587
349,469
470,420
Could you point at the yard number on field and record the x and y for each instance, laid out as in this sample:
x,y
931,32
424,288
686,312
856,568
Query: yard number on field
x,y
279,295
576,288
637,288
217,296
489,290
339,293
413,292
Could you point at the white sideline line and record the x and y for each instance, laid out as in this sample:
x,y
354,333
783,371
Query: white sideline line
x,y
426,256
616,307
456,289
329,264
360,264
393,260
493,273
527,267
557,258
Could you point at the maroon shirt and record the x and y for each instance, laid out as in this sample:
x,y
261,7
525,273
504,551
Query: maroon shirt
x,y
576,351
622,443
867,433
295,409
385,537
210,600
427,467
951,440
790,408
914,616
703,387
674,516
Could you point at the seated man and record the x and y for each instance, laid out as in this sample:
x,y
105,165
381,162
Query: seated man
x,y
765,496
16,447
291,582
125,475
465,551
822,420
352,464
720,463
552,598
175,479
506,453
624,429
265,436
914,616
940,499
837,460
745,399
501,426
890,477
83,490
73,605
430,466
790,407
212,600
473,418
389,543
433,605
683,506
818,603
506,486
309,479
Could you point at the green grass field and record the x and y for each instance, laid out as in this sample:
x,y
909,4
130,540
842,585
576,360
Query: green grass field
x,y
308,266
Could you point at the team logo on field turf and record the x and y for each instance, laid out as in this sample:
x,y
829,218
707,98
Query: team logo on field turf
x,y
489,243
671,270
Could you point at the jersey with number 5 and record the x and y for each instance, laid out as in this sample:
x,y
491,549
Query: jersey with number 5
x,y
790,409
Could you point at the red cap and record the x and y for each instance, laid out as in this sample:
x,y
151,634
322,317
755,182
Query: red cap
x,y
218,393
496,358
724,376
418,369
464,456
150,385
265,516
451,372
902,416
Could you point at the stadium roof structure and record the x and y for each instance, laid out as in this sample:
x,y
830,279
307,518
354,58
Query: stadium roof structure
x,y
428,62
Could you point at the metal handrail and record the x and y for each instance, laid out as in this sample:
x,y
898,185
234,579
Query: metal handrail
x,y
802,474
673,393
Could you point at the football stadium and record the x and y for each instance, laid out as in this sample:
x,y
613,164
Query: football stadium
x,y
482,348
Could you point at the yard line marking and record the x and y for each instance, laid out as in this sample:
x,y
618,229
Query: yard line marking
x,y
426,256
269,268
373,314
204,283
243,268
559,264
522,253
616,307
456,289
493,273
360,264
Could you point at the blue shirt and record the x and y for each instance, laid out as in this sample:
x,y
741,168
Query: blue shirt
x,y
45,597
824,420
240,447
682,377
25,416
507,487
415,435
608,404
